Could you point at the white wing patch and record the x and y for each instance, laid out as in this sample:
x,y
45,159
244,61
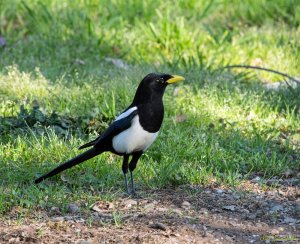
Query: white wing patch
x,y
135,138
126,113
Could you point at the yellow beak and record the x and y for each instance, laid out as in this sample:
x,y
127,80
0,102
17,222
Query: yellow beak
x,y
175,79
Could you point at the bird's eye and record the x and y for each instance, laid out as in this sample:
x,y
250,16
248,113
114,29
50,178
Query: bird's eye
x,y
160,80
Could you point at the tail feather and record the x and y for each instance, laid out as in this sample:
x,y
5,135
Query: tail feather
x,y
72,162
89,144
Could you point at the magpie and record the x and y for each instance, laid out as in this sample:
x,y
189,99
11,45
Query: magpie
x,y
132,132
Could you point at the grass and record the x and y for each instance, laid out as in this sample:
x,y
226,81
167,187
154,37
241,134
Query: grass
x,y
54,61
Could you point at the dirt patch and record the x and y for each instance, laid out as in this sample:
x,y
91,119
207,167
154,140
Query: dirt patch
x,y
187,214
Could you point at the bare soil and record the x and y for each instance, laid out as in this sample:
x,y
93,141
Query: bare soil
x,y
188,214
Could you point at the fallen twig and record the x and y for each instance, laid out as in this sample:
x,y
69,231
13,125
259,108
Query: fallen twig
x,y
264,69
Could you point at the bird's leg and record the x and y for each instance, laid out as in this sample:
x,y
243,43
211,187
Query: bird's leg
x,y
132,183
126,184
132,165
125,171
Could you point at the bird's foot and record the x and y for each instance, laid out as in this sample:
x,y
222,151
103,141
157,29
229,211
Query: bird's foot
x,y
127,191
126,185
135,195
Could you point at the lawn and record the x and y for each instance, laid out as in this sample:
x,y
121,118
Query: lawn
x,y
60,86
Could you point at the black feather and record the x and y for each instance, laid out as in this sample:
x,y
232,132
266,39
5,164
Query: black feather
x,y
72,162
89,144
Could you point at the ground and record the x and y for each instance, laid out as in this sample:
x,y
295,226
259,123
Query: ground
x,y
187,214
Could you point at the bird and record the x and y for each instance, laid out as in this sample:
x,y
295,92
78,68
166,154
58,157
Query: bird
x,y
132,132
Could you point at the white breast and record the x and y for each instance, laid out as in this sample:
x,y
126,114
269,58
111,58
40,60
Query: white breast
x,y
135,138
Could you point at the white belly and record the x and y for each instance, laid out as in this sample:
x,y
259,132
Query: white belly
x,y
135,138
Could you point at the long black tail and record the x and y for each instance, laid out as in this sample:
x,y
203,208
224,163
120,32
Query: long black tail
x,y
72,162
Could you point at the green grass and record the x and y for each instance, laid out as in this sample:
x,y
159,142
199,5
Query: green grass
x,y
54,59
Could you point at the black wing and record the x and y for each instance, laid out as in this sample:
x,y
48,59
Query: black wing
x,y
115,128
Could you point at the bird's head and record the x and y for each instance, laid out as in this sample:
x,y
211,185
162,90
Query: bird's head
x,y
154,85
160,81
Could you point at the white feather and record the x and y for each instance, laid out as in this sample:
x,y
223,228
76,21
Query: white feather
x,y
135,138
126,113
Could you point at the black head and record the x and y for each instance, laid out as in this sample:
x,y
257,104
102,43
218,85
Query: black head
x,y
159,80
154,85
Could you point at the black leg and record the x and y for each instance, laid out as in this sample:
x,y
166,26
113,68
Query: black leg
x,y
126,184
135,157
125,171
132,183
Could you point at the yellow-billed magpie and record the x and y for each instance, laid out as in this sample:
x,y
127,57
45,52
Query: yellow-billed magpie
x,y
133,131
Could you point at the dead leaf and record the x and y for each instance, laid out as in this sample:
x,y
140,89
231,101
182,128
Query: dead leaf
x,y
181,118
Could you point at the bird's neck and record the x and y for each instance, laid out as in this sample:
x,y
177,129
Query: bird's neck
x,y
151,115
150,108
